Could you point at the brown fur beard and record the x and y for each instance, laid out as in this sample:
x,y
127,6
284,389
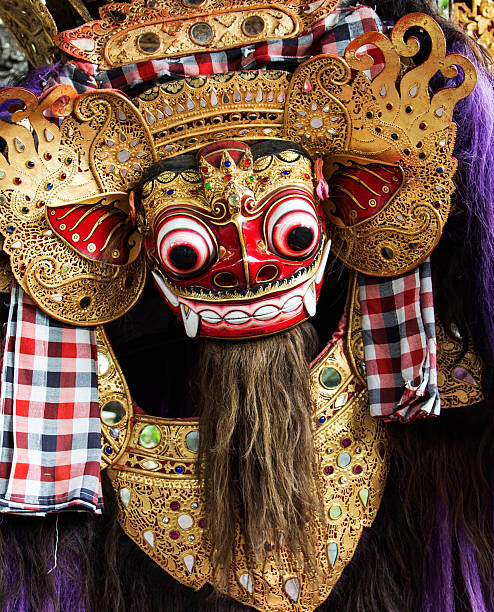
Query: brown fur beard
x,y
256,446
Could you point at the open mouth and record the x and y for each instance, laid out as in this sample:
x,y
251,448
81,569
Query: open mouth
x,y
270,307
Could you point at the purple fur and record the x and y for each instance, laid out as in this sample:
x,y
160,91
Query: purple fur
x,y
440,595
470,572
474,151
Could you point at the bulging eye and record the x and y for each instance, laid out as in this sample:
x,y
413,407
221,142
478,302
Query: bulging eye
x,y
185,246
293,228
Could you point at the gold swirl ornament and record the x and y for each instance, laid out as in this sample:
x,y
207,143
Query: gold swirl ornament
x,y
96,155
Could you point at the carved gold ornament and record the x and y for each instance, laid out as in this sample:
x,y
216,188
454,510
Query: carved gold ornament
x,y
140,30
59,186
477,17
161,502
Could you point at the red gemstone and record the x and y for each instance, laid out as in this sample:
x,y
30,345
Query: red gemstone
x,y
28,199
23,267
174,535
17,181
205,169
328,470
201,523
307,86
247,162
307,176
63,176
265,179
175,505
346,442
358,469
48,156
193,192
228,177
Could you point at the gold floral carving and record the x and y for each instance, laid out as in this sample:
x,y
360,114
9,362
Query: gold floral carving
x,y
398,124
460,370
140,30
187,114
477,17
115,402
33,27
161,502
47,165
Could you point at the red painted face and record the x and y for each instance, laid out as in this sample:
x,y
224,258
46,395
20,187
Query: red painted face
x,y
237,245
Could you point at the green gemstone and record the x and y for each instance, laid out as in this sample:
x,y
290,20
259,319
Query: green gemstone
x,y
25,210
192,441
68,161
65,269
364,496
422,156
335,512
208,185
150,436
251,179
330,378
369,115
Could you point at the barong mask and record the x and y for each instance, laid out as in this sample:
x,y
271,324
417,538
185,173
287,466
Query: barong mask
x,y
236,241
210,231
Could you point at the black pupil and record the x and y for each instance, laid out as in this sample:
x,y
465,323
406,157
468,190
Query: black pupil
x,y
300,238
183,257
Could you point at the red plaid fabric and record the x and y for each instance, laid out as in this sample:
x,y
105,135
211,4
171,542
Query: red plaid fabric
x,y
331,35
51,433
400,345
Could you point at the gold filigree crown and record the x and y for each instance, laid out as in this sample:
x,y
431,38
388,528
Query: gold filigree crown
x,y
139,30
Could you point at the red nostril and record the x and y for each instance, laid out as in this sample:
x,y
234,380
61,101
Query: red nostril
x,y
225,280
267,273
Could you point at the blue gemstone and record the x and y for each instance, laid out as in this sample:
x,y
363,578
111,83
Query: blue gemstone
x,y
10,228
285,172
170,191
108,450
322,419
227,164
394,136
49,186
440,170
30,164
179,469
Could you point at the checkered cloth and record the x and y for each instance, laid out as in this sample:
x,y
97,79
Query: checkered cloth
x,y
400,345
330,35
51,433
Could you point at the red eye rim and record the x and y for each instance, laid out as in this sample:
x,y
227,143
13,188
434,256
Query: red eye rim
x,y
301,206
185,231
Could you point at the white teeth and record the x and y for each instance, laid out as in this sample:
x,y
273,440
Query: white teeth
x,y
237,317
324,261
265,313
210,316
167,292
292,304
191,320
310,300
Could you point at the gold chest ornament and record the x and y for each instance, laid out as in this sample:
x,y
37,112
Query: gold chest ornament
x,y
152,466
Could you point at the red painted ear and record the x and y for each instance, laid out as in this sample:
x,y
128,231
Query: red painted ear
x,y
360,188
100,227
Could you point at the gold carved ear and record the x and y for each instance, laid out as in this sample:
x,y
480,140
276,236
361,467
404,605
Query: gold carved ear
x,y
64,207
388,144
